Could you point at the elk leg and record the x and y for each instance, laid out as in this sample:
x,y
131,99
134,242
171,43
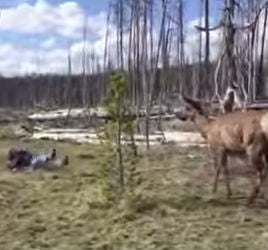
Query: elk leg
x,y
217,168
215,162
260,167
224,159
227,181
223,163
213,154
257,187
216,179
265,171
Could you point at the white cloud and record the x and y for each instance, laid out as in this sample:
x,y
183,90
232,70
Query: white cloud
x,y
192,44
56,24
66,19
15,60
52,58
48,43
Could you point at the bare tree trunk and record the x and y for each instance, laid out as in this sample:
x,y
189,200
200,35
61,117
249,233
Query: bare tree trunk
x,y
164,81
121,17
199,83
105,56
84,90
130,50
251,63
153,74
182,53
145,70
137,91
69,89
260,78
207,51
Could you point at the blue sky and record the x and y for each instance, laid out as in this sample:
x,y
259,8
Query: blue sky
x,y
192,6
42,30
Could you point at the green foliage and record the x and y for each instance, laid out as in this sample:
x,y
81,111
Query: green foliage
x,y
115,104
121,159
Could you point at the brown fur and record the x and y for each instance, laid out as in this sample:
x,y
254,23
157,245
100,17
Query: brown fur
x,y
243,133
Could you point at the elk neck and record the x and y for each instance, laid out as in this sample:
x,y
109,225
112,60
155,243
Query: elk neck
x,y
201,123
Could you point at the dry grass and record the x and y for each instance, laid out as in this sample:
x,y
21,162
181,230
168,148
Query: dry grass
x,y
171,209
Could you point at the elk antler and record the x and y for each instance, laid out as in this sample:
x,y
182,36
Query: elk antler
x,y
194,104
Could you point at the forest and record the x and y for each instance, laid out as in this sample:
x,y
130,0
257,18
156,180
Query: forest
x,y
147,41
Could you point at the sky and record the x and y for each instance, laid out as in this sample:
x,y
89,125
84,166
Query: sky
x,y
35,35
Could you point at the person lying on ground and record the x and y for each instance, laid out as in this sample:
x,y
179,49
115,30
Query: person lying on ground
x,y
19,159
52,160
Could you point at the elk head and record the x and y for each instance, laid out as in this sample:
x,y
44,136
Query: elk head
x,y
191,111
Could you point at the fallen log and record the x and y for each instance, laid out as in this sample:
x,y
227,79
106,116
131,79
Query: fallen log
x,y
89,136
99,113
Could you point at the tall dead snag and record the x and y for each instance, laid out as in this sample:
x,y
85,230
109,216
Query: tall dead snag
x,y
181,42
207,49
177,18
228,61
84,57
202,85
198,90
146,87
260,78
69,86
153,72
119,22
130,52
165,84
137,57
105,55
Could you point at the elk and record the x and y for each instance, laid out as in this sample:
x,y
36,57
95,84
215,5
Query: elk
x,y
243,133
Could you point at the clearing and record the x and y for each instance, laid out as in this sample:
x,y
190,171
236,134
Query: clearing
x,y
172,208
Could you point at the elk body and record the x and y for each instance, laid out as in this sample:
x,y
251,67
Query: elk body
x,y
237,133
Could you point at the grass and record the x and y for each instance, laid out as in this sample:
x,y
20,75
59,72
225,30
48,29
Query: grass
x,y
172,208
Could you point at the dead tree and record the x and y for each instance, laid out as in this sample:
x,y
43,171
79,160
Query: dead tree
x,y
153,71
69,88
177,19
84,57
119,21
260,79
228,58
207,48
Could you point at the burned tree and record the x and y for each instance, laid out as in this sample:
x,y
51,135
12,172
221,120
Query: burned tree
x,y
228,61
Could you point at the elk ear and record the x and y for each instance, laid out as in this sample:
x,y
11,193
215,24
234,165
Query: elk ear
x,y
194,104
